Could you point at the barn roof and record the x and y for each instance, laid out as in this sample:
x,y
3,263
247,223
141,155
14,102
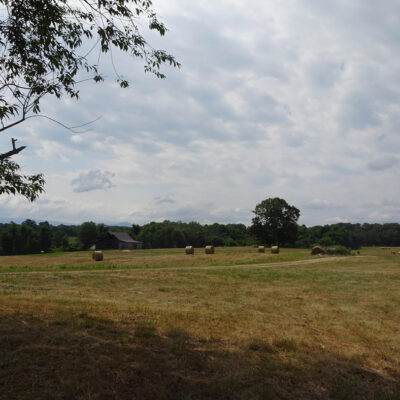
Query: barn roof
x,y
123,237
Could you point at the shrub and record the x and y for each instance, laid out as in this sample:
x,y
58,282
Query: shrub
x,y
341,250
229,242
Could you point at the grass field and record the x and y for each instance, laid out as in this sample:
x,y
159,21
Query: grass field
x,y
159,324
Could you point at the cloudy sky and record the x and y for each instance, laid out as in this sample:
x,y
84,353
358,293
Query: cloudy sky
x,y
292,99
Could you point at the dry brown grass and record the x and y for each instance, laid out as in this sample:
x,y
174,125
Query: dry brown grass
x,y
153,258
328,330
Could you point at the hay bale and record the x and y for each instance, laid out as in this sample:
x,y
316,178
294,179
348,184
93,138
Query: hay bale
x,y
189,250
261,249
209,249
317,250
275,249
97,256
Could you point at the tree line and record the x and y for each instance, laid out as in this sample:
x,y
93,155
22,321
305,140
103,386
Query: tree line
x,y
30,237
352,236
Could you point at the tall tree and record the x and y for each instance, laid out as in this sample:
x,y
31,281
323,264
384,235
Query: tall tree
x,y
275,222
47,47
45,237
87,234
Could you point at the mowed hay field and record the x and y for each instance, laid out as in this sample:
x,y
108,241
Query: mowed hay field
x,y
159,324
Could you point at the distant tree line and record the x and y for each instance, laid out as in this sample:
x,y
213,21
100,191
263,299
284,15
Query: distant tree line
x,y
179,234
30,237
349,235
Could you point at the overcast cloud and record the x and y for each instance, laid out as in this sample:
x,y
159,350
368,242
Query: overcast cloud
x,y
299,100
92,180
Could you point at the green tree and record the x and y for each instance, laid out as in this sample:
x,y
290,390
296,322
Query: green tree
x,y
275,222
13,182
45,236
59,240
101,230
135,230
49,46
25,240
240,235
31,223
8,239
87,234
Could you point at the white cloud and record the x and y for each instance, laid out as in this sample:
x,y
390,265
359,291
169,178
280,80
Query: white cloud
x,y
299,101
335,220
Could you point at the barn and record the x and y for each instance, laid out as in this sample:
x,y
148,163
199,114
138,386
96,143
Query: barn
x,y
118,240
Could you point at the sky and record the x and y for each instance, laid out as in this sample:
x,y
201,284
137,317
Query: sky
x,y
291,99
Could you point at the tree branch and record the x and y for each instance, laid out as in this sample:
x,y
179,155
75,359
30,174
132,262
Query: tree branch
x,y
12,152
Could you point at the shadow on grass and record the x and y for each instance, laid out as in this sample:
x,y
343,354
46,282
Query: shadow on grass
x,y
86,358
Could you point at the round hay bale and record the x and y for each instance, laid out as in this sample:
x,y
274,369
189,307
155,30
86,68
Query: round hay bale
x,y
97,256
261,249
209,249
189,250
275,249
317,250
